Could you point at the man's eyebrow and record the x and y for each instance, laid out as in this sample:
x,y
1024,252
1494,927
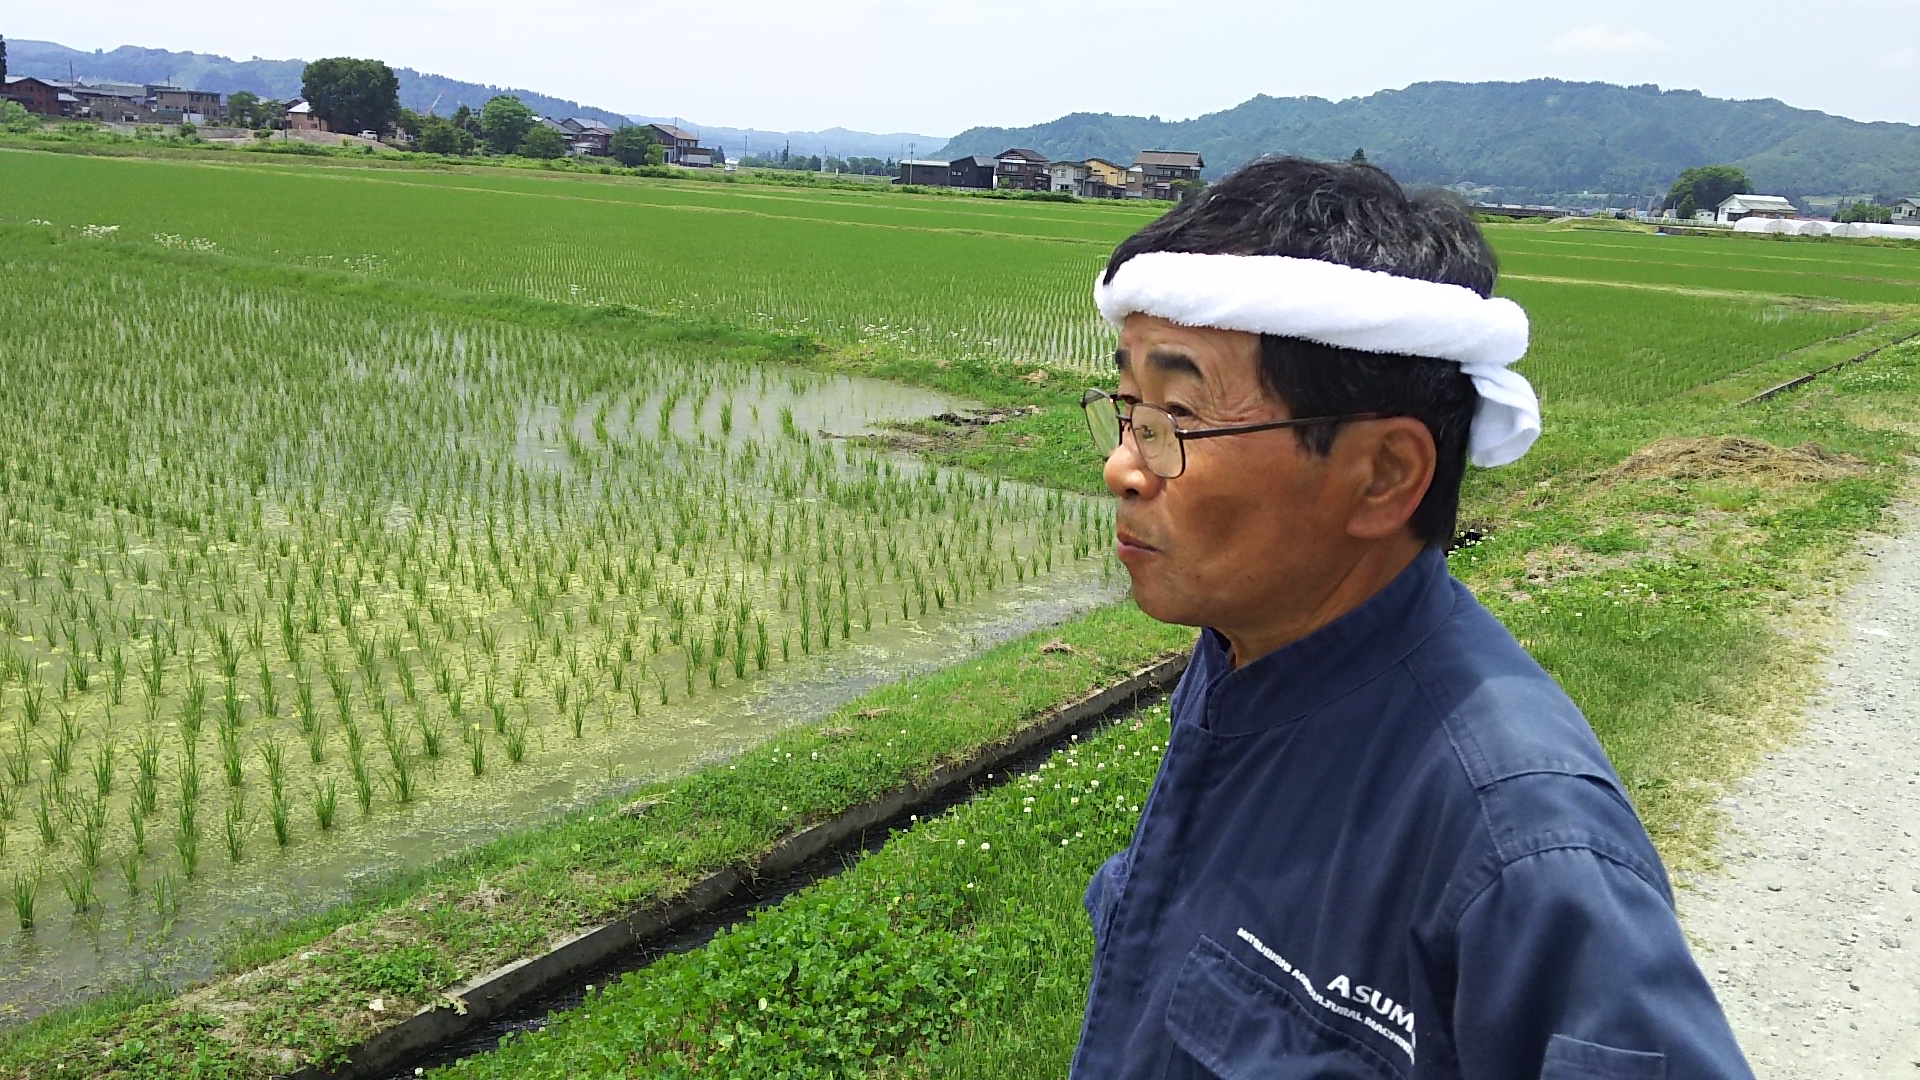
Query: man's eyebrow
x,y
1173,361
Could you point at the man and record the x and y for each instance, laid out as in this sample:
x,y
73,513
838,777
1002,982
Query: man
x,y
1382,843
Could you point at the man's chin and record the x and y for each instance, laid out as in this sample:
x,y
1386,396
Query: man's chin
x,y
1155,604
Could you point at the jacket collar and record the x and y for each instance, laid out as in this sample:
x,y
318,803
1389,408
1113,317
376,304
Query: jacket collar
x,y
1326,665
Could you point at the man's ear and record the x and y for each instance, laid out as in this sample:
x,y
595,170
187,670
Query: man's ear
x,y
1393,467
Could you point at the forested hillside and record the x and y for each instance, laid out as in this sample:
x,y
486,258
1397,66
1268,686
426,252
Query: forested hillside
x,y
1523,141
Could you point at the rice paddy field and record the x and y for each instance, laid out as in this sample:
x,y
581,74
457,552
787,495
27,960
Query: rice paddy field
x,y
338,532
305,588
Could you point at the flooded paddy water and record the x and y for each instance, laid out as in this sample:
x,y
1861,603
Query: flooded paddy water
x,y
292,596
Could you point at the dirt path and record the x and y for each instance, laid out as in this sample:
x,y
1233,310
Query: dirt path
x,y
1811,935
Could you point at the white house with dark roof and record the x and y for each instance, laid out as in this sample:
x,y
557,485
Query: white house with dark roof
x,y
1907,209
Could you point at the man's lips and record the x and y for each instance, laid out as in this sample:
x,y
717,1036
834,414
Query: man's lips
x,y
1127,542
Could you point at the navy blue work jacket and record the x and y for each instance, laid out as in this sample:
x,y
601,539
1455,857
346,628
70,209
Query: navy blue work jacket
x,y
1392,849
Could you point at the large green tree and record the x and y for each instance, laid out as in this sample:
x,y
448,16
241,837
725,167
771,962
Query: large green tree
x,y
504,122
3,60
542,142
244,109
439,136
636,145
1707,186
352,95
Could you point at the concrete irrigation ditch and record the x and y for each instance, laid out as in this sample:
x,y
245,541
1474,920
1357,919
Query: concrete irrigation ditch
x,y
510,989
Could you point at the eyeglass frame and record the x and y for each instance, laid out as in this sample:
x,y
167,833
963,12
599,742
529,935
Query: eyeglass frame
x,y
1182,435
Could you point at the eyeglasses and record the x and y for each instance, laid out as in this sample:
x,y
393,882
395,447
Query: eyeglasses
x,y
1162,445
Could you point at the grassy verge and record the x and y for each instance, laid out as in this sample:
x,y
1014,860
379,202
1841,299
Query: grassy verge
x,y
1652,585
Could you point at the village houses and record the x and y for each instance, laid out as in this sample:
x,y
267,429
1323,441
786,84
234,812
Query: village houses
x,y
1154,174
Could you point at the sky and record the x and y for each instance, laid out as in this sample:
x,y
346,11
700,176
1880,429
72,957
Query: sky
x,y
937,67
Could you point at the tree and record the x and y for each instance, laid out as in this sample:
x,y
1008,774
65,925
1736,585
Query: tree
x,y
438,136
352,95
504,121
1707,186
463,119
1866,212
409,121
14,117
1359,156
542,142
1687,208
243,109
3,60
635,145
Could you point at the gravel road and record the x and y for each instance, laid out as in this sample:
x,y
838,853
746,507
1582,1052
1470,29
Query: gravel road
x,y
1811,933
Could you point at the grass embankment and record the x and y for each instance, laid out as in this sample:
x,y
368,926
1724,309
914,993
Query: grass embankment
x,y
1652,585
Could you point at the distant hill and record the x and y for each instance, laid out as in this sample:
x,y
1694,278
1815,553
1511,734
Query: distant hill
x,y
1518,142
280,79
419,91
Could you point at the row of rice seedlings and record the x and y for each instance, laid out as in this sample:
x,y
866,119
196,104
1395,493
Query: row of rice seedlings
x,y
353,561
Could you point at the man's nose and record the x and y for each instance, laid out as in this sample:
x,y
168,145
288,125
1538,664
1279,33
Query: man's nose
x,y
1127,475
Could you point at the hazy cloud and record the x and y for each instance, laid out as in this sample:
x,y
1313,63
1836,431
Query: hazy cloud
x,y
1605,39
1907,59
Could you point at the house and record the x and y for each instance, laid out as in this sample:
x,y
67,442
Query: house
x,y
976,171
1068,176
1105,180
1907,209
173,105
583,137
928,173
1735,207
1020,169
1093,178
1161,169
674,141
112,103
38,96
300,117
683,147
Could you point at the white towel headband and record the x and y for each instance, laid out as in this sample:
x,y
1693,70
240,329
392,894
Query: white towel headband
x,y
1353,309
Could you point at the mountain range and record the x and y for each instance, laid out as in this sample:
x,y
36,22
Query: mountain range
x,y
1536,141
1512,141
419,91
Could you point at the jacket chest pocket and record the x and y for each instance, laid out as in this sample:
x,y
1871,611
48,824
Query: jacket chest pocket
x,y
1236,1024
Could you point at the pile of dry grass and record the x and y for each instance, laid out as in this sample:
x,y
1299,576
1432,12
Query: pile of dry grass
x,y
1733,456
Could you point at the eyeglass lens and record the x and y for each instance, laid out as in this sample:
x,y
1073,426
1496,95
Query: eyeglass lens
x,y
1153,433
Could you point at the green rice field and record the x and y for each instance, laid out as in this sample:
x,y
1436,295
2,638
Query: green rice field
x,y
352,517
301,586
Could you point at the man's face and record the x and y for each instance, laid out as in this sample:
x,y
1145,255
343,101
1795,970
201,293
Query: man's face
x,y
1256,526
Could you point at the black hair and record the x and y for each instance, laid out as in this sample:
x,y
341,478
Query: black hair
x,y
1356,215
